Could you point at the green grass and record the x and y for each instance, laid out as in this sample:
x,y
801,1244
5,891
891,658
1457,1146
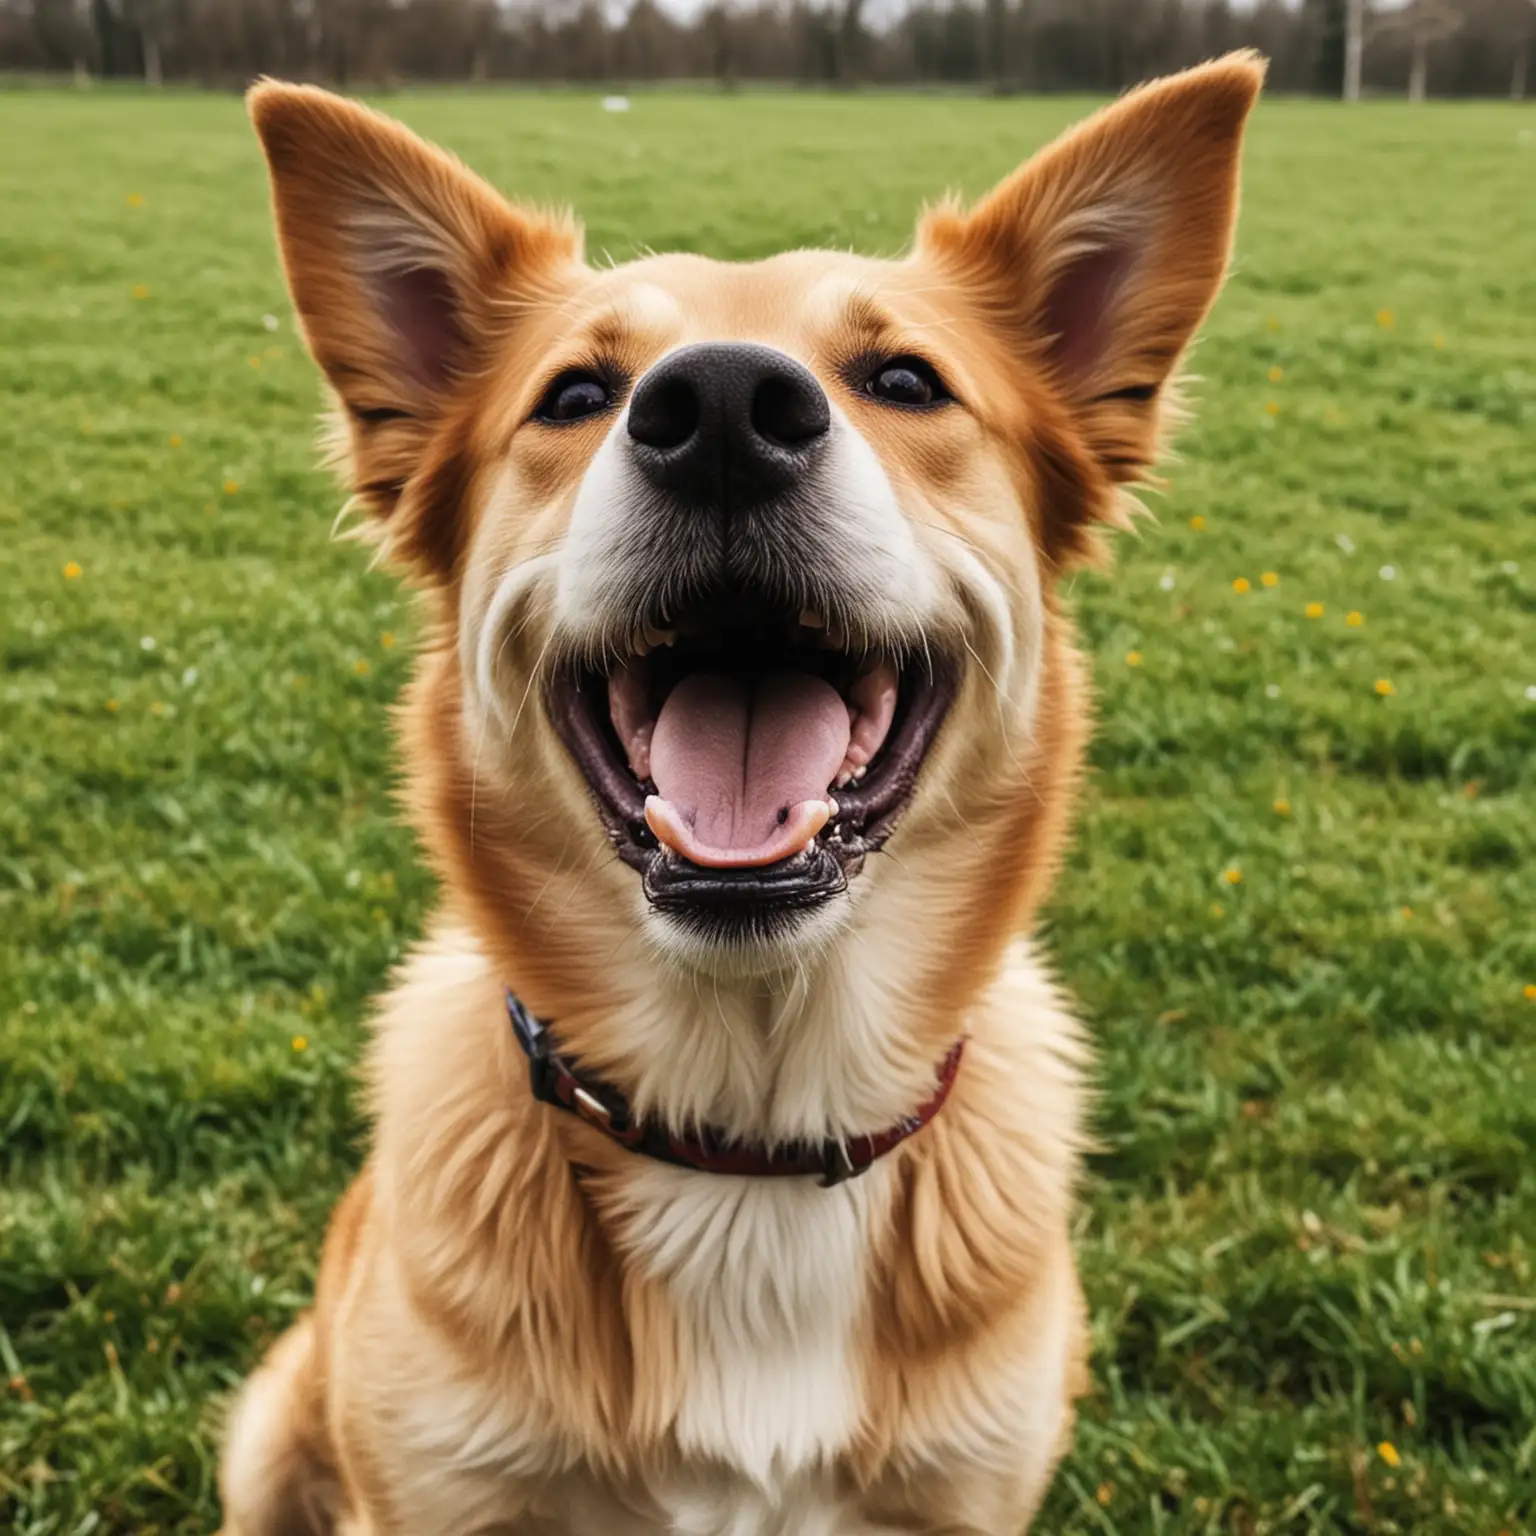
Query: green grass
x,y
1312,1227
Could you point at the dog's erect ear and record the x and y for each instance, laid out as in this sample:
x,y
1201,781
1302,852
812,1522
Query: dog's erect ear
x,y
405,269
1097,259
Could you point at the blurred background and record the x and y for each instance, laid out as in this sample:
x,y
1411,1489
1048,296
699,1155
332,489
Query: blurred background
x,y
1299,909
1331,47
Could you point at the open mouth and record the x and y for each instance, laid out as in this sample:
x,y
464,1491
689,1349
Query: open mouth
x,y
746,760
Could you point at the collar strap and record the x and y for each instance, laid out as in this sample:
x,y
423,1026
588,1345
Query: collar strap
x,y
556,1080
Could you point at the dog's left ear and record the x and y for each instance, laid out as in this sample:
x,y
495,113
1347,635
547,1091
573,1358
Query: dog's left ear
x,y
1096,261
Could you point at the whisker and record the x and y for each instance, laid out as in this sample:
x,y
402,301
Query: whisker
x,y
553,875
581,881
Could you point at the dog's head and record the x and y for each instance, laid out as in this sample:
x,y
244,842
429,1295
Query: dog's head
x,y
746,570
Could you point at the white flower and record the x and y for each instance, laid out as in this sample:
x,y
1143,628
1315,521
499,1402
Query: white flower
x,y
615,103
189,678
1165,581
146,642
1510,567
353,879
1530,693
1345,543
1272,690
1388,573
269,321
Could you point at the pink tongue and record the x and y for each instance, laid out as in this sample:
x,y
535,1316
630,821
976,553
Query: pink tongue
x,y
743,767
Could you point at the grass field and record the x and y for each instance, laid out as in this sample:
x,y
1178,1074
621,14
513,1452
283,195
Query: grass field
x,y
1300,912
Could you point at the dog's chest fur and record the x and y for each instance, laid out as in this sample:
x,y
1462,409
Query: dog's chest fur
x,y
767,1279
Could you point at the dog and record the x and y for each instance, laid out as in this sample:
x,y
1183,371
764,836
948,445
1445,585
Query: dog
x,y
725,1125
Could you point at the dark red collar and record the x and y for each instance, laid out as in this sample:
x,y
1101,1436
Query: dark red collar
x,y
556,1080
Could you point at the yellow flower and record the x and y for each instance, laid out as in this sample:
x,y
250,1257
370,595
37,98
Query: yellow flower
x,y
1388,1453
1270,579
1354,618
1232,875
255,362
1282,807
1385,319
140,291
135,199
157,708
1530,991
1405,913
175,439
1276,374
387,640
1272,407
1314,610
1217,909
230,487
72,571
1439,343
1242,584
300,1043
112,706
1197,522
361,667
1104,1493
1133,658
1384,688
1272,324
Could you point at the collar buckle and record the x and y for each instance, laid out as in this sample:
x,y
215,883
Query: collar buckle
x,y
533,1037
838,1166
592,1109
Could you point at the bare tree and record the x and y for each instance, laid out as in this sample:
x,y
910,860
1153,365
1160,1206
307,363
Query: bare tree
x,y
1522,59
1354,47
849,40
1426,22
149,19
996,49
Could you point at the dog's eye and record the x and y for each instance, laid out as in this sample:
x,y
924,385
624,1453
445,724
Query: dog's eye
x,y
574,396
906,381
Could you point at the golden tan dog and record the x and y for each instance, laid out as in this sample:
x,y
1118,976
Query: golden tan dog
x,y
744,746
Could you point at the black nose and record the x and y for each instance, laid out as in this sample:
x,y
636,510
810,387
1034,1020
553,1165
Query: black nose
x,y
727,425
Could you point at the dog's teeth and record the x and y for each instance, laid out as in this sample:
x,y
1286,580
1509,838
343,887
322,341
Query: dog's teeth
x,y
843,780
831,808
859,772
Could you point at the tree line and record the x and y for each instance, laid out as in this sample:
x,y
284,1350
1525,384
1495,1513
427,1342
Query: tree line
x,y
1332,47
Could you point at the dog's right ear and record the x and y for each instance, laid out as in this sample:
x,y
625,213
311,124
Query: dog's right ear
x,y
405,269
